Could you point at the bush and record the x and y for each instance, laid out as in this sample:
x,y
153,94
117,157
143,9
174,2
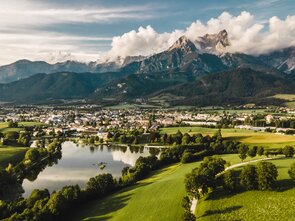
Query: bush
x,y
288,151
100,185
187,157
188,216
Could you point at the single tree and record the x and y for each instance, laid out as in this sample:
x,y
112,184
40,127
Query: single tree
x,y
267,174
260,150
229,182
288,151
243,149
248,177
252,151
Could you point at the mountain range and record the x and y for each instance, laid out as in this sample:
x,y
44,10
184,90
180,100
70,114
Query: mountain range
x,y
196,71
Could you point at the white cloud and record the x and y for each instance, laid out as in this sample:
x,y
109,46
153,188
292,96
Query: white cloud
x,y
22,25
246,35
30,13
144,41
44,45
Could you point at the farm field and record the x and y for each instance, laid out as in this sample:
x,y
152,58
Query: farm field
x,y
252,205
290,104
11,155
4,126
287,97
245,136
29,124
232,111
130,106
156,198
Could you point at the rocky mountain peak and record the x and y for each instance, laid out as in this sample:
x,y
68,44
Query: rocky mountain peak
x,y
184,44
214,43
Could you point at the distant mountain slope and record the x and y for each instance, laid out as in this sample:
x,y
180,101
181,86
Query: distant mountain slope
x,y
46,87
236,86
239,60
283,60
25,68
141,85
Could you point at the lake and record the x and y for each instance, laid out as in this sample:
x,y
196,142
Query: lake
x,y
79,163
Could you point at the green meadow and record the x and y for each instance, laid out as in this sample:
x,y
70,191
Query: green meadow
x,y
11,155
159,198
287,97
249,137
156,198
4,126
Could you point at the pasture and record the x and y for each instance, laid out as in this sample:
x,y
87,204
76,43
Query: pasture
x,y
11,155
249,137
287,97
4,126
156,198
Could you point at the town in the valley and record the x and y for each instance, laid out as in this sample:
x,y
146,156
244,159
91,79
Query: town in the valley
x,y
94,121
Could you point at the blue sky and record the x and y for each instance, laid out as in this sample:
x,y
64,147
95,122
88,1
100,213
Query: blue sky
x,y
167,15
39,29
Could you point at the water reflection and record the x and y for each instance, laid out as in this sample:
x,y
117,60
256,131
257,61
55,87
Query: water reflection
x,y
80,162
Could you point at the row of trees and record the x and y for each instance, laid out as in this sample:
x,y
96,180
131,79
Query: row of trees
x,y
260,177
14,138
42,206
244,151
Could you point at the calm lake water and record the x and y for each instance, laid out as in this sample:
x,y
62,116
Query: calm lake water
x,y
79,163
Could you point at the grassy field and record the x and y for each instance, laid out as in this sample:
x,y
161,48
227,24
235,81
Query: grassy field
x,y
4,126
287,97
156,198
290,104
252,205
246,136
11,155
130,106
249,111
29,124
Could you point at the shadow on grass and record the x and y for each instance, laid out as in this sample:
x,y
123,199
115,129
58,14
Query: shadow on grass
x,y
98,218
221,194
237,138
284,185
221,211
101,209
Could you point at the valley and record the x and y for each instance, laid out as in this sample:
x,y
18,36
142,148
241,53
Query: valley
x,y
147,110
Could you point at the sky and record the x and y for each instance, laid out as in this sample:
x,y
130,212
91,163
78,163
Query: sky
x,y
89,30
